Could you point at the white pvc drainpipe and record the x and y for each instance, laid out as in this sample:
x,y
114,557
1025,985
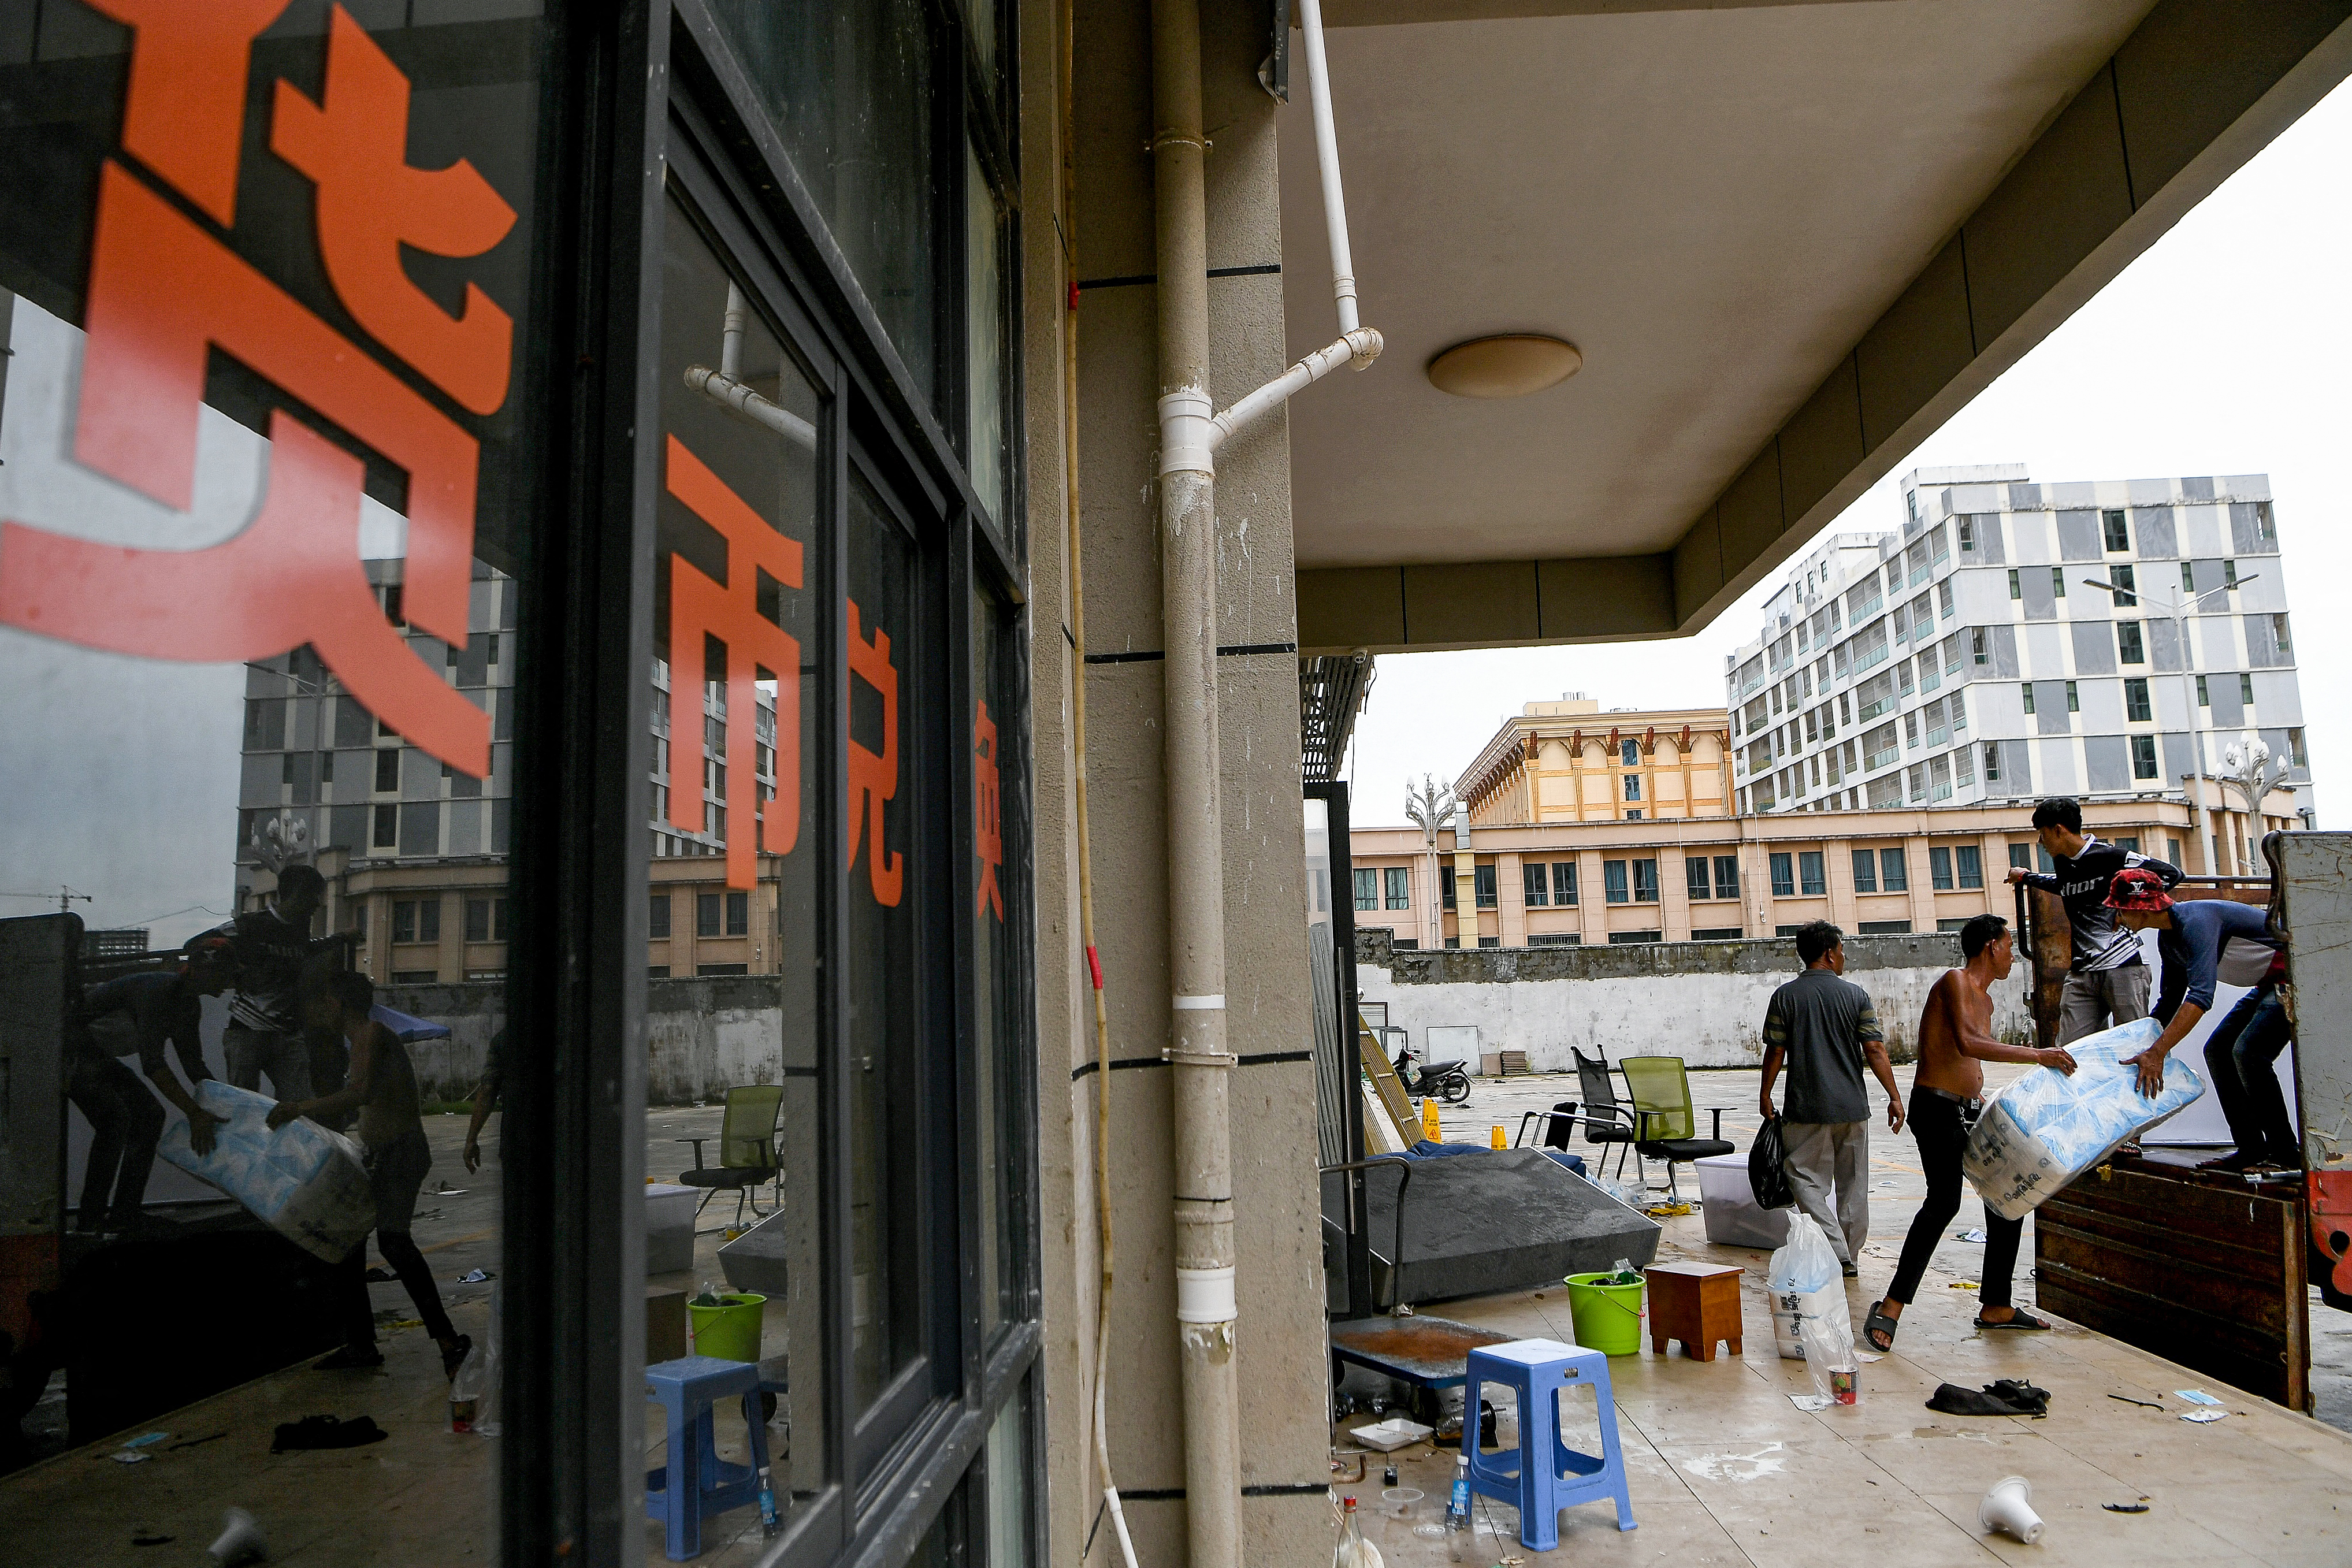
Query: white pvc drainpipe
x,y
726,387
1199,1053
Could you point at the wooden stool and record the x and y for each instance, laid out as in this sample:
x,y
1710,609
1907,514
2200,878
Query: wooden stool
x,y
1697,1303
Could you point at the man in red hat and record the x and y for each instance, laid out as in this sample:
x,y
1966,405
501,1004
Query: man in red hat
x,y
2243,1049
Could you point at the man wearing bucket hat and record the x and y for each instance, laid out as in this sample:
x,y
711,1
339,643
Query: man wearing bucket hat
x,y
2247,1042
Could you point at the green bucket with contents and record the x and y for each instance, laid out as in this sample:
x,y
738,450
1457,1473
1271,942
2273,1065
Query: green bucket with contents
x,y
1608,1316
731,1331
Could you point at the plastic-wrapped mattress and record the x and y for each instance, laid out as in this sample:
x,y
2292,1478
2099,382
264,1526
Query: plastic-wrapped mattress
x,y
2048,1128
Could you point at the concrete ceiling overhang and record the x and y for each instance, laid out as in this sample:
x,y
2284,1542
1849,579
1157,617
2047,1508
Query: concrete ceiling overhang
x,y
1790,238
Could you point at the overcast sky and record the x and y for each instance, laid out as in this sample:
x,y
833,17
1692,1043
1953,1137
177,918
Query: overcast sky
x,y
2225,349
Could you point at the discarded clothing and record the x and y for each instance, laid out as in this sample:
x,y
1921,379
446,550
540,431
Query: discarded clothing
x,y
2010,1396
326,1432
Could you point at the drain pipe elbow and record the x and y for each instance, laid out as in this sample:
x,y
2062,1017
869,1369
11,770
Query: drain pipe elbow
x,y
1188,437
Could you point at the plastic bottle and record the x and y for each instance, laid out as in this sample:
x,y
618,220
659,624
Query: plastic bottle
x,y
1457,1507
770,1521
708,1298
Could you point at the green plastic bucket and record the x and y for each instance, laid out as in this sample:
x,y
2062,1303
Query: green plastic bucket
x,y
731,1331
1608,1316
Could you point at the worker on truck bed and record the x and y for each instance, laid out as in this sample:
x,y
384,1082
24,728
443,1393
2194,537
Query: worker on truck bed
x,y
2107,984
2246,1043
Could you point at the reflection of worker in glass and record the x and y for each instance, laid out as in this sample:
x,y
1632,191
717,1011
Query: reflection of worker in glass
x,y
382,1090
138,1015
486,1099
265,1029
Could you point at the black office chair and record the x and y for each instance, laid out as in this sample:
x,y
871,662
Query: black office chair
x,y
1606,1119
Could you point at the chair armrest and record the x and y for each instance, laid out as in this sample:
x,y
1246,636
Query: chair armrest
x,y
1718,1124
697,1144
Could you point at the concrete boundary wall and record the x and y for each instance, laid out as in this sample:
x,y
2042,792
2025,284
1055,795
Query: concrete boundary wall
x,y
1701,1001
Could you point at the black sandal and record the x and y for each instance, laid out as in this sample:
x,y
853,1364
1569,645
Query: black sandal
x,y
1876,1320
2018,1318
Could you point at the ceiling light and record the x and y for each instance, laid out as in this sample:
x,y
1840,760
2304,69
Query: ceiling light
x,y
1512,365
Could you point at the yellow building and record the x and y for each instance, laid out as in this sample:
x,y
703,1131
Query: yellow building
x,y
1570,761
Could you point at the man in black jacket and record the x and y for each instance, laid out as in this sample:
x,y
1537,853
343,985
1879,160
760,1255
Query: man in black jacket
x,y
2107,984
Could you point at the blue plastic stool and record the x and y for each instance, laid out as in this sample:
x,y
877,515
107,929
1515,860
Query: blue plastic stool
x,y
705,1484
1551,1476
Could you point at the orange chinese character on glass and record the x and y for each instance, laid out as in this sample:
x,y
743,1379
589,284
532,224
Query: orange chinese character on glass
x,y
988,831
874,776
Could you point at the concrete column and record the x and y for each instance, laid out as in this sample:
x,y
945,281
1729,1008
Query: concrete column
x,y
1511,900
1673,895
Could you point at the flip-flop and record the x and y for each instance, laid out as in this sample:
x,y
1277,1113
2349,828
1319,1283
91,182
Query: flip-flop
x,y
1876,1321
2021,1320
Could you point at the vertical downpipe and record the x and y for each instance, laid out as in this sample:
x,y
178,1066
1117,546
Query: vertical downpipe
x,y
1200,1061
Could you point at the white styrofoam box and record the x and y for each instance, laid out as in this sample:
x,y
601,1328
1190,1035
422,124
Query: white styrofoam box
x,y
1730,1205
669,1226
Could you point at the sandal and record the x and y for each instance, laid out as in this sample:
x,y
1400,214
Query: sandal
x,y
1876,1320
2019,1319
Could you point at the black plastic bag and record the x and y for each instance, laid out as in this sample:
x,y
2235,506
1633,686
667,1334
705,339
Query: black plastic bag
x,y
1766,1177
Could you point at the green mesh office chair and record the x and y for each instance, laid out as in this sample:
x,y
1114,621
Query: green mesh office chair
x,y
1667,1125
747,1151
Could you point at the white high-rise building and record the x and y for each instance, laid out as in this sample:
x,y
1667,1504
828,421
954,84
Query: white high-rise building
x,y
2015,640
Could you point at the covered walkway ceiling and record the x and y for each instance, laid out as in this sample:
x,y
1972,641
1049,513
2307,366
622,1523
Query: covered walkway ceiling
x,y
1790,238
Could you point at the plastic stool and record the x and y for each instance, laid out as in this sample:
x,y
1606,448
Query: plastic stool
x,y
696,1482
1551,1476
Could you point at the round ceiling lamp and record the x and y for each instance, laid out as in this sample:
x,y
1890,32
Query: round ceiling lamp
x,y
1511,365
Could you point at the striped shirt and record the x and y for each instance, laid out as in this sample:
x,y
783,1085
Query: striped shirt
x,y
2081,883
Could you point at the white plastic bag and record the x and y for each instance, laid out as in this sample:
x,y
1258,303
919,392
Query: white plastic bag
x,y
2047,1127
305,1182
1803,1281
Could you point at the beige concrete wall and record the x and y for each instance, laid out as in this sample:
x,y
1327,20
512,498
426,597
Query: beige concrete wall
x,y
1279,1279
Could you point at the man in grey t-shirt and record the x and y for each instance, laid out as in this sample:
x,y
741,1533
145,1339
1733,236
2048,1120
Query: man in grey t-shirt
x,y
1824,1028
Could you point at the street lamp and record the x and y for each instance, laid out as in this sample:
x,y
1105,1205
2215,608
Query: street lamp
x,y
1431,807
2177,610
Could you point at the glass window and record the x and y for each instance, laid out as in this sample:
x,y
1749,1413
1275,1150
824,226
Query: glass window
x,y
2058,582
1482,885
1632,786
850,91
2124,582
2015,592
2128,647
1002,1069
1694,876
1646,881
1400,887
2228,574
2245,688
1727,876
985,367
2144,765
657,921
1368,887
1629,753
1810,876
1613,882
1971,865
1784,875
2074,699
1939,869
1865,872
1563,882
2136,708
1892,876
2203,700
2026,689
2117,531
1535,884
706,914
2188,579
739,914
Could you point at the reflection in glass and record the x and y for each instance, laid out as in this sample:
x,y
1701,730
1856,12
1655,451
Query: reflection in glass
x,y
985,326
849,89
734,1020
995,979
885,1052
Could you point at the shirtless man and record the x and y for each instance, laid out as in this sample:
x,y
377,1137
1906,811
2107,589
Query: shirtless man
x,y
382,1089
1955,1034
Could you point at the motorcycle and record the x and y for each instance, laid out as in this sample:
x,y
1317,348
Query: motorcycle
x,y
1447,1081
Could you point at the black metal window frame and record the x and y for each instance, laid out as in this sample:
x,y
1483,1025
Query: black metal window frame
x,y
642,100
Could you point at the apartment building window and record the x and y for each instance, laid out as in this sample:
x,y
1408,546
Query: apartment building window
x,y
2229,574
2136,708
2027,687
1967,535
2294,747
1881,746
1992,764
2188,579
1694,876
2118,532
1911,730
1964,767
2021,856
1936,731
1368,887
2143,756
1813,728
1944,604
1865,871
2204,699
1940,868
387,770
2245,688
2121,576
2173,844
385,833
1613,889
2129,649
1629,753
706,914
1447,897
2058,582
2016,589
1632,786
2074,699
1811,878
657,917
1634,814
477,920
1970,859
1891,876
1563,883
2127,842
1482,886
1399,880
1846,707
1977,650
417,920
2284,644
1784,875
